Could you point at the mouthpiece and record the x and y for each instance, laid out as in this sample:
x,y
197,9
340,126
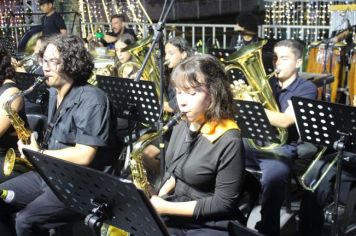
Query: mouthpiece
x,y
277,71
174,120
166,63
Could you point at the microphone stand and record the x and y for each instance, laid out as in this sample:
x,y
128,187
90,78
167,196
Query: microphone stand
x,y
158,39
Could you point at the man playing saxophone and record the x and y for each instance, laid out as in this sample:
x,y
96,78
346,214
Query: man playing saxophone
x,y
81,130
276,164
8,137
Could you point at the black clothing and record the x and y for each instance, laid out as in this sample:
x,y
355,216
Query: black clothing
x,y
113,34
52,24
276,164
208,171
86,117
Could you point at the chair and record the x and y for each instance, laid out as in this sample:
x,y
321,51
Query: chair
x,y
246,202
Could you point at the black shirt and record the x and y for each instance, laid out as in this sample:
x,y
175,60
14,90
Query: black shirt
x,y
52,24
86,117
209,171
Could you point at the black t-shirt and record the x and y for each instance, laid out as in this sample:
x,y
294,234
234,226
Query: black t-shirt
x,y
52,24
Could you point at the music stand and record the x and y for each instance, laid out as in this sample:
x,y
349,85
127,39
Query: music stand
x,y
253,122
134,100
100,197
328,124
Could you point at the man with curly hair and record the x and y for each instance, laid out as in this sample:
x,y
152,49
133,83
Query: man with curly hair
x,y
81,130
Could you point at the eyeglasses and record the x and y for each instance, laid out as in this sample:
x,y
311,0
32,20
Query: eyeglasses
x,y
52,63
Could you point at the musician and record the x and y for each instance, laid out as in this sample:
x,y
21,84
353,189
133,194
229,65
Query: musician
x,y
204,163
8,88
81,130
123,56
176,50
52,22
276,164
118,28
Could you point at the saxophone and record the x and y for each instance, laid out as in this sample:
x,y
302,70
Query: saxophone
x,y
23,134
138,171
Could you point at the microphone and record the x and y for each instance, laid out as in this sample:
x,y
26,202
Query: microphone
x,y
7,195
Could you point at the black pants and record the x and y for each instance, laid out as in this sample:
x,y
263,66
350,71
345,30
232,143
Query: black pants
x,y
313,203
34,210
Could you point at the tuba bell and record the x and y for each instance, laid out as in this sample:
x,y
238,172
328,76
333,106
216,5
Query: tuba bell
x,y
138,52
248,59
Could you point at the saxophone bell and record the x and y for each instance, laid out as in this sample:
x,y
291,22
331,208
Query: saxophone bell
x,y
22,132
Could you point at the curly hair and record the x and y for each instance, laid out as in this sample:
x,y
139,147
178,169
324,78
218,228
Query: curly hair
x,y
76,61
6,69
185,76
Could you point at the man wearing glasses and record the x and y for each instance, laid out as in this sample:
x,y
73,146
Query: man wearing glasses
x,y
81,130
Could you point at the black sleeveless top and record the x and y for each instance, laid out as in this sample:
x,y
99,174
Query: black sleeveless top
x,y
9,138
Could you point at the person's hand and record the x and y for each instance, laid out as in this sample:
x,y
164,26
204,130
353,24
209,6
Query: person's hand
x,y
159,204
32,146
90,37
241,90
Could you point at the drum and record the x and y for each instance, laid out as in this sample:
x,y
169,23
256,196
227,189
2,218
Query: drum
x,y
352,77
322,59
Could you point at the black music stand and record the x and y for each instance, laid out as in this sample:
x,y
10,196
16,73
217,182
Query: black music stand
x,y
100,197
328,124
253,122
134,100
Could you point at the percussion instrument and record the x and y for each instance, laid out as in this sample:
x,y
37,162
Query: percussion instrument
x,y
328,59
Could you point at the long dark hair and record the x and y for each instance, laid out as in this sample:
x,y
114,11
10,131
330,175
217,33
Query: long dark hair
x,y
185,76
6,69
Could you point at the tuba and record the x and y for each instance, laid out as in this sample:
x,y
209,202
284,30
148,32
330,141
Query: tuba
x,y
138,52
23,134
248,59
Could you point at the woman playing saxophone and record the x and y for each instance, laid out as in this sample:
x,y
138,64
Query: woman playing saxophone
x,y
204,166
8,137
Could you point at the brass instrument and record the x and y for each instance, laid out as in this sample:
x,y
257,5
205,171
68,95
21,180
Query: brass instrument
x,y
248,59
19,125
138,52
315,184
138,171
